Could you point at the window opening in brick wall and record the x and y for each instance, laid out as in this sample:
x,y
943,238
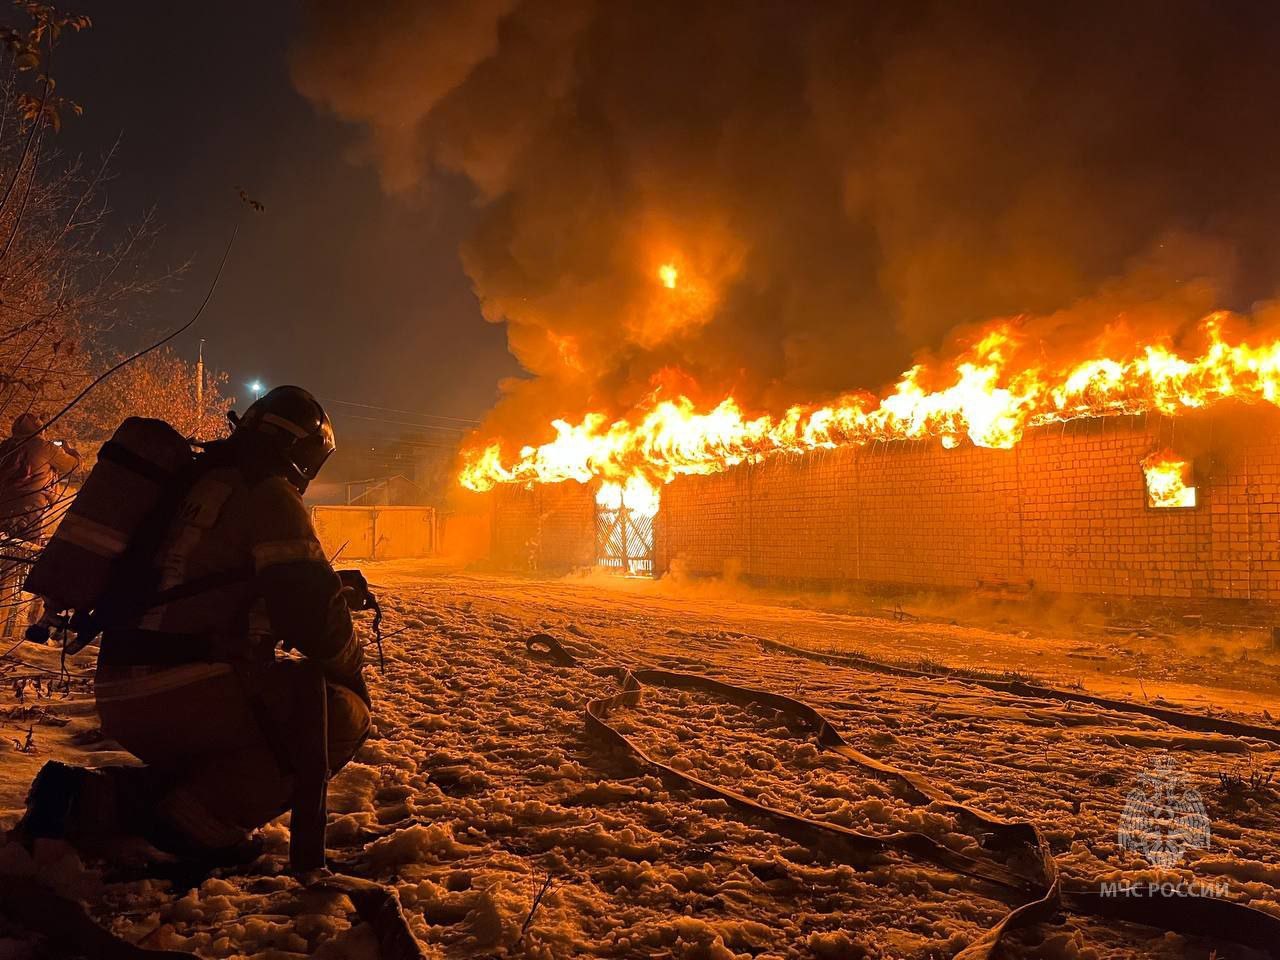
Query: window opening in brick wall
x,y
1168,479
624,527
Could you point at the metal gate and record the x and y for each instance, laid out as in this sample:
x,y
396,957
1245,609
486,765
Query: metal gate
x,y
624,540
375,533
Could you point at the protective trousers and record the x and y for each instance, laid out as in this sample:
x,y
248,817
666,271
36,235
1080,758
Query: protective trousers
x,y
228,751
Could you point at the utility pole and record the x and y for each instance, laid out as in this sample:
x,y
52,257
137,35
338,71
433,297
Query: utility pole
x,y
200,383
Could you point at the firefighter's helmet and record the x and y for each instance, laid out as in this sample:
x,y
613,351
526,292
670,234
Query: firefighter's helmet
x,y
296,426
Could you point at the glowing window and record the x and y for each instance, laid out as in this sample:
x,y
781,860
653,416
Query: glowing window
x,y
1168,479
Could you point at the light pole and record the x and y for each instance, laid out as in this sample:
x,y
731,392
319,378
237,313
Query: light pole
x,y
200,381
256,387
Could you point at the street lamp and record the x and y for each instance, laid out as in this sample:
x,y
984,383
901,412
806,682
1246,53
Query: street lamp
x,y
256,387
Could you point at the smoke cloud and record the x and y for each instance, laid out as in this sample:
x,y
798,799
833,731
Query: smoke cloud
x,y
839,187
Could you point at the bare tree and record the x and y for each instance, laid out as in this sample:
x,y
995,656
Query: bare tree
x,y
162,385
61,283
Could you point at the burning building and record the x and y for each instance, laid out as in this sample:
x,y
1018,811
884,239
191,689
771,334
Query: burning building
x,y
1152,476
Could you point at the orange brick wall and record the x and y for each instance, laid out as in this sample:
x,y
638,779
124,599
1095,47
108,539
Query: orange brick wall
x,y
1065,509
550,528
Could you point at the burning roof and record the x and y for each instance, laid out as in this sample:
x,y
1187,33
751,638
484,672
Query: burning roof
x,y
986,397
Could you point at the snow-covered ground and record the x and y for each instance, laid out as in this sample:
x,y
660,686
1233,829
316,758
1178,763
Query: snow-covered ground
x,y
480,784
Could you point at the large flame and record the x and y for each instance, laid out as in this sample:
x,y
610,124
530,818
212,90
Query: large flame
x,y
986,400
636,494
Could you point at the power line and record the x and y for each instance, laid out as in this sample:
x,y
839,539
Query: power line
x,y
412,413
400,423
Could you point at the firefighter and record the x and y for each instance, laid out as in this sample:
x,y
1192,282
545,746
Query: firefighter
x,y
230,733
31,468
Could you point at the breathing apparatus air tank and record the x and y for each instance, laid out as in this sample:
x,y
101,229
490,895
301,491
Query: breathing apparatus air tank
x,y
134,469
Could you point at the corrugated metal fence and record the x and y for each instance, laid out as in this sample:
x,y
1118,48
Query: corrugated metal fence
x,y
376,533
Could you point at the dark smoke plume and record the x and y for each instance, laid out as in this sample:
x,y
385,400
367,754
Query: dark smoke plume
x,y
841,186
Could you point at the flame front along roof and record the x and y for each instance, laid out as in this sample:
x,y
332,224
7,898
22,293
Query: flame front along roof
x,y
986,399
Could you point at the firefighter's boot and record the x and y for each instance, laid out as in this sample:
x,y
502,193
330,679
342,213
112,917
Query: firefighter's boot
x,y
52,803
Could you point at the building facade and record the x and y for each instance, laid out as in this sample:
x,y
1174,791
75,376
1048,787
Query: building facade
x,y
1065,511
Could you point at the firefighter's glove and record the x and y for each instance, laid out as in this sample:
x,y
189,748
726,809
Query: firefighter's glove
x,y
355,590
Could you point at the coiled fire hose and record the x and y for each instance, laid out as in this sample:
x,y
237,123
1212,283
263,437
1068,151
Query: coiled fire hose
x,y
1043,893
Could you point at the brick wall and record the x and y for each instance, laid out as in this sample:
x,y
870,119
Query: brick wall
x,y
1065,510
549,528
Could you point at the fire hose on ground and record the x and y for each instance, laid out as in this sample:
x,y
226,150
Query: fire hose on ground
x,y
1197,722
1043,893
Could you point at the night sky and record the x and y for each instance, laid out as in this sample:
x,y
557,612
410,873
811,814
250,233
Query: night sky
x,y
336,286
